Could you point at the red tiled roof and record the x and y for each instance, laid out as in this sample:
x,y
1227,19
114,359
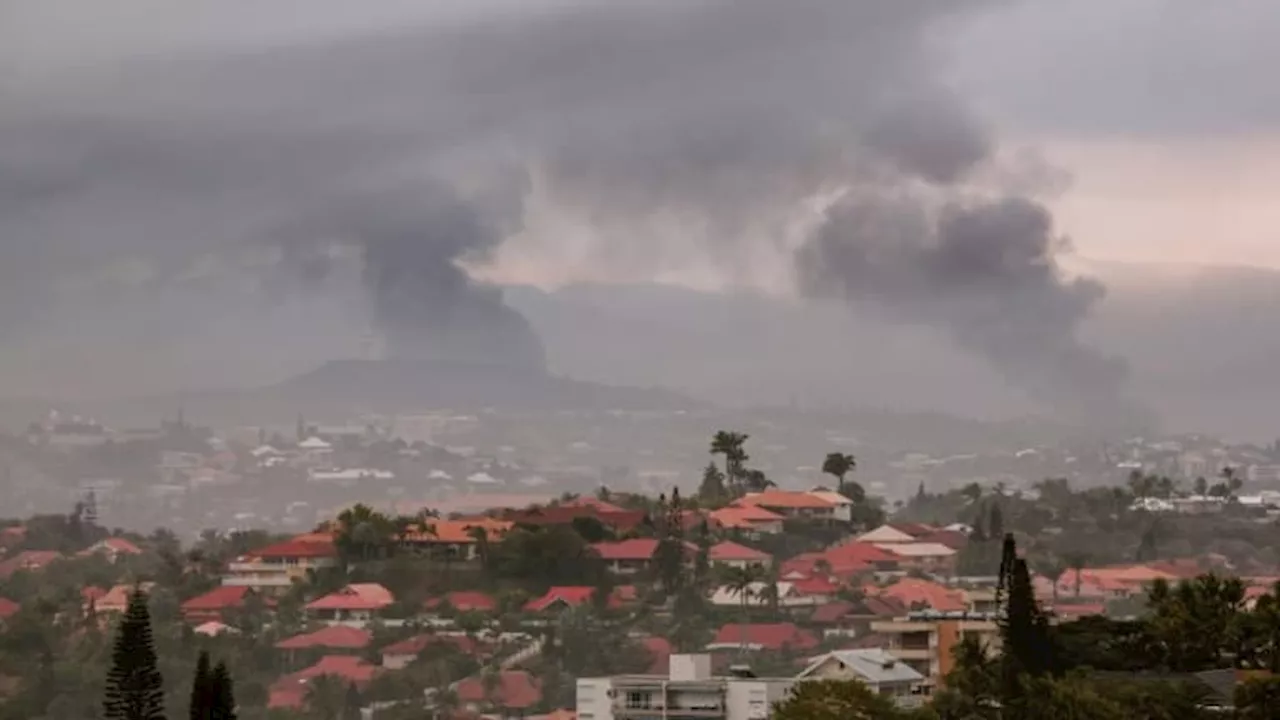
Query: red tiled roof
x,y
465,601
516,689
595,503
620,520
572,596
858,552
831,612
914,591
297,549
348,668
459,532
92,593
416,644
951,538
357,596
816,585
117,545
338,637
786,499
733,552
659,649
634,549
743,517
221,598
8,608
28,560
915,530
769,636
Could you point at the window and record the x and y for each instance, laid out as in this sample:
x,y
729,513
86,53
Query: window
x,y
639,700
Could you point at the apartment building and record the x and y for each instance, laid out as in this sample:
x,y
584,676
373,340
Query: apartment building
x,y
926,641
689,692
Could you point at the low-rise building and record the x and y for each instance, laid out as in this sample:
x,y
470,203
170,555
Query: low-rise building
x,y
927,640
688,690
355,603
275,568
883,673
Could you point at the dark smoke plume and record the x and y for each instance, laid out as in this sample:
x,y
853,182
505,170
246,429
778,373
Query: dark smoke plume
x,y
429,144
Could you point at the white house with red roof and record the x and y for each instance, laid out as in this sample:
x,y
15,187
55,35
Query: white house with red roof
x,y
218,602
355,603
635,555
276,567
112,548
731,554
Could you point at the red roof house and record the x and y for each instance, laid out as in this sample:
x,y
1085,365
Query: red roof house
x,y
660,650
214,604
734,555
399,655
29,560
357,601
111,548
561,597
290,691
516,690
334,637
915,593
634,555
764,636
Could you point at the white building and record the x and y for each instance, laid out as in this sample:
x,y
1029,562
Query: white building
x,y
883,673
690,690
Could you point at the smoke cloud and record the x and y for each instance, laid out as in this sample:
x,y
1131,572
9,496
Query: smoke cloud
x,y
426,145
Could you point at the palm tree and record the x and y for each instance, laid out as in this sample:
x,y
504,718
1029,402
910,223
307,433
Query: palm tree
x,y
838,465
481,536
1077,561
741,580
732,446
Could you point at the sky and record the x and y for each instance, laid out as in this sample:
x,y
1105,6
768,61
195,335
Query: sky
x,y
1147,126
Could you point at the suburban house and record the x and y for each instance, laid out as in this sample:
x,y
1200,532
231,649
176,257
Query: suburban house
x,y
290,691
687,689
112,548
355,603
275,568
116,600
338,638
398,656
628,557
763,636
791,504
458,539
854,617
843,505
926,556
560,598
516,692
615,518
215,604
917,594
927,640
28,561
790,594
731,554
750,519
896,533
883,673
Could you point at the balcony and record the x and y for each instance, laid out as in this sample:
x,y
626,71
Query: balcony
x,y
257,581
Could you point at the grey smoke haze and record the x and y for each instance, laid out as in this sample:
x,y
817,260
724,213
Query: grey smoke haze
x,y
424,144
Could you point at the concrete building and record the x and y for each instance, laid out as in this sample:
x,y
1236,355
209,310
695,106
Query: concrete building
x,y
689,692
926,641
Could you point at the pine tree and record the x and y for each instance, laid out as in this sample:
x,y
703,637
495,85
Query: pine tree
x,y
201,689
135,689
222,704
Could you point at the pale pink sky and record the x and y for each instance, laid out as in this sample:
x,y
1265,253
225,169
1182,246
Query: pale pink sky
x,y
1206,201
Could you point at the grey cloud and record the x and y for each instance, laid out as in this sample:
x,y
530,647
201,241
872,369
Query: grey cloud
x,y
419,144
